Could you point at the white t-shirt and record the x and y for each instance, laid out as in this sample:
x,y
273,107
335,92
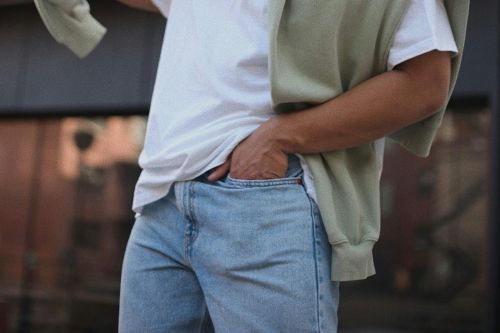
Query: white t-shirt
x,y
212,88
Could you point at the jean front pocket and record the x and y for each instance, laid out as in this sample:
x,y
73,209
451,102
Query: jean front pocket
x,y
290,180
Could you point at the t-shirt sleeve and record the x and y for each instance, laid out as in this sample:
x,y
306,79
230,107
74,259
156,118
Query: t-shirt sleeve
x,y
163,6
424,27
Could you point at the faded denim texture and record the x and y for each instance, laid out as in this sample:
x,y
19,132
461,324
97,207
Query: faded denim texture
x,y
230,256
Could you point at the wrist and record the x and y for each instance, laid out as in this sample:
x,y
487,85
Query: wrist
x,y
278,131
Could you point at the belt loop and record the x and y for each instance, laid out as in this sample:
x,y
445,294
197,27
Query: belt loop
x,y
294,166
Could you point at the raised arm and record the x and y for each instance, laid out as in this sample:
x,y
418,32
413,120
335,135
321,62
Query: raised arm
x,y
141,4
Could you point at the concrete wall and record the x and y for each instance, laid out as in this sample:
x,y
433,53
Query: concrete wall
x,y
478,73
39,75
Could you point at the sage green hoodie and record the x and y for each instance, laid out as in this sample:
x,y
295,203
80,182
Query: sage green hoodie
x,y
70,23
318,49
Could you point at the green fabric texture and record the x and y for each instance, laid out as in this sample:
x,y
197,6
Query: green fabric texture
x,y
70,23
318,50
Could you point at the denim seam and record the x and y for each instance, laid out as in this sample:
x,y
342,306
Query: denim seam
x,y
263,182
189,197
192,215
317,250
317,257
185,206
149,328
179,197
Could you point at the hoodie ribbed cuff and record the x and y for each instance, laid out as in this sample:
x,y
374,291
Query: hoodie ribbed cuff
x,y
352,262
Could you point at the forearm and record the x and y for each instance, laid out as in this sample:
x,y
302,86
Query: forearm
x,y
141,4
369,111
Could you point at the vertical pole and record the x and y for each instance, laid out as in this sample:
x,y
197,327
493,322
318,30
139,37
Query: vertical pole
x,y
29,256
494,225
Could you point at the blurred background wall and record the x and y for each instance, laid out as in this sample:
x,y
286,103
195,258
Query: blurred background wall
x,y
70,134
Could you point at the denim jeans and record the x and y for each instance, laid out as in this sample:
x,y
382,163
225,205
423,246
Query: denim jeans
x,y
230,256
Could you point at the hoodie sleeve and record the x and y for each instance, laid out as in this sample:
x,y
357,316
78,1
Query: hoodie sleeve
x,y
70,23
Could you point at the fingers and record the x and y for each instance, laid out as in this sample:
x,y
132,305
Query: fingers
x,y
220,171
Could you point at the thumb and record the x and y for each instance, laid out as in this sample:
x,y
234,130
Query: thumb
x,y
220,171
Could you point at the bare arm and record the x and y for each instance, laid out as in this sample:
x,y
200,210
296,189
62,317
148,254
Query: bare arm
x,y
377,107
141,4
411,92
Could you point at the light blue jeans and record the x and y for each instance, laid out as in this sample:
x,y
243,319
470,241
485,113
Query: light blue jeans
x,y
231,256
